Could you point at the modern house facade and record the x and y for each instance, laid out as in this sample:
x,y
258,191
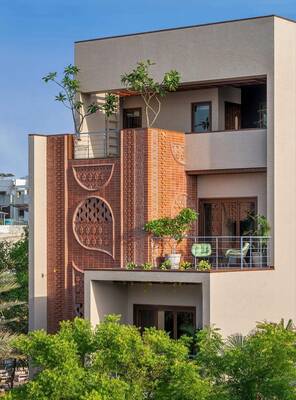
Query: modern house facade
x,y
224,144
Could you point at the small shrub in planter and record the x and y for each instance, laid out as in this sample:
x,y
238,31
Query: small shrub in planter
x,y
131,265
204,265
185,265
174,229
146,266
165,265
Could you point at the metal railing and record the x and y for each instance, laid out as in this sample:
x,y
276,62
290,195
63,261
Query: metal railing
x,y
100,144
221,252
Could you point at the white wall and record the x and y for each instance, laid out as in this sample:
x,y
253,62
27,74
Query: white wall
x,y
37,232
234,185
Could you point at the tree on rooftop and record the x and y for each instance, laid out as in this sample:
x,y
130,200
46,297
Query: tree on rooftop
x,y
69,96
140,81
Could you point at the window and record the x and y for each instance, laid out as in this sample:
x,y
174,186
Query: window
x,y
201,117
177,321
226,217
132,118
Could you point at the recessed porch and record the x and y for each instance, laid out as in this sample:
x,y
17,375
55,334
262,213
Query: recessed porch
x,y
166,300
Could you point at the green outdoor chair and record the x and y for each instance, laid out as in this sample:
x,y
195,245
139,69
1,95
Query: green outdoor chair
x,y
201,250
234,254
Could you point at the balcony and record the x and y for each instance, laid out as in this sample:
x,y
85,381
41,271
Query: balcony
x,y
21,200
101,144
4,200
226,150
220,252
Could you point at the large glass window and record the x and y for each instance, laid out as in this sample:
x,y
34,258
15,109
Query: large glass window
x,y
201,117
132,118
176,321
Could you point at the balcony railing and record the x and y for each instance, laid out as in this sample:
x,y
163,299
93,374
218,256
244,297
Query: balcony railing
x,y
221,252
101,144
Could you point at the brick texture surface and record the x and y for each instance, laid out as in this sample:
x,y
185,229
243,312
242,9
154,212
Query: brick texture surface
x,y
147,181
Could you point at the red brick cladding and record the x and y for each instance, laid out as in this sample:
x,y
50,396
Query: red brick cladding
x,y
56,229
154,185
147,181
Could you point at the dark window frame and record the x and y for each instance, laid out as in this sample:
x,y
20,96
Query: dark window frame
x,y
124,117
201,103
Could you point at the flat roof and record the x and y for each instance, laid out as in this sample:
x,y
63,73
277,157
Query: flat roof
x,y
187,27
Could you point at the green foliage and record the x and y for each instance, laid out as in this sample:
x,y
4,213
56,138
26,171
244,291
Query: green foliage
x,y
261,225
115,361
69,93
204,265
184,265
140,81
14,265
112,361
172,227
146,266
131,265
166,264
258,366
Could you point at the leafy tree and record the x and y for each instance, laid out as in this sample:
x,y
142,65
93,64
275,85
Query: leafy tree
x,y
14,260
8,282
173,228
260,366
112,361
140,81
69,96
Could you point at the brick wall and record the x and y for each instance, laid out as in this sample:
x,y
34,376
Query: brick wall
x,y
97,209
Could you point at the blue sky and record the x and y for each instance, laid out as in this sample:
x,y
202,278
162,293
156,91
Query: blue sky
x,y
36,36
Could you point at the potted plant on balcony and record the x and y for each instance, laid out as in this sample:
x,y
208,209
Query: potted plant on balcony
x,y
174,230
70,96
261,231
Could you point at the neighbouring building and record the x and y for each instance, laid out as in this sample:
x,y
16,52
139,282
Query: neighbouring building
x,y
224,144
14,200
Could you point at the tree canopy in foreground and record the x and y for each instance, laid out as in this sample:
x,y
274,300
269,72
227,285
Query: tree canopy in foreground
x,y
114,361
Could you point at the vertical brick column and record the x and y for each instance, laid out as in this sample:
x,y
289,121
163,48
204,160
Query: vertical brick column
x,y
154,184
56,232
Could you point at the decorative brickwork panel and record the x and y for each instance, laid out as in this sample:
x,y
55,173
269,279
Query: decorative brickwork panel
x,y
93,177
93,225
104,228
94,236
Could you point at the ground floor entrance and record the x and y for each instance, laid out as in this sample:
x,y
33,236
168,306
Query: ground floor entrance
x,y
175,320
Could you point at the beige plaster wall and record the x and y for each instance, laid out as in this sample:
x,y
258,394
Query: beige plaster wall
x,y
284,165
165,294
106,298
235,185
238,300
217,51
176,108
37,233
226,150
